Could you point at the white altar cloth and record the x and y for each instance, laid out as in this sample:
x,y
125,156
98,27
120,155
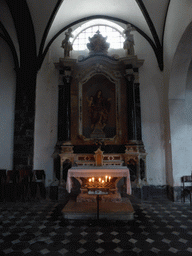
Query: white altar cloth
x,y
120,171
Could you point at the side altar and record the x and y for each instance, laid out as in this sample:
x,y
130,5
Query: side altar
x,y
99,123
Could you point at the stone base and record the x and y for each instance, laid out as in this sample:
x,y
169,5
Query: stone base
x,y
107,210
116,198
148,192
62,193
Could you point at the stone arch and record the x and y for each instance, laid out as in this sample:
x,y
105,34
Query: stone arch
x,y
180,65
181,163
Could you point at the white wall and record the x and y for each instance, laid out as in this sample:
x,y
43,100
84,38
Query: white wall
x,y
181,132
188,108
45,137
152,112
178,97
179,16
178,125
7,103
175,70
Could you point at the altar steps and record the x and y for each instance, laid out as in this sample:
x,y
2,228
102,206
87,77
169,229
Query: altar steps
x,y
106,210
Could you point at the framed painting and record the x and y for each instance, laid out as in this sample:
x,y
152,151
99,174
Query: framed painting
x,y
98,108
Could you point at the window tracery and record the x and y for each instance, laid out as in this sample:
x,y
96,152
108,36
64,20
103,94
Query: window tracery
x,y
112,31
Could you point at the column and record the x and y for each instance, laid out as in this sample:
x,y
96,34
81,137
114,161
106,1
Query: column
x,y
64,111
133,108
137,111
131,114
24,118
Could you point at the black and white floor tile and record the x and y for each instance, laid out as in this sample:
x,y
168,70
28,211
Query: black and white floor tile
x,y
159,228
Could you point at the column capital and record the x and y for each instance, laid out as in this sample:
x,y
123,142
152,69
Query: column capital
x,y
129,77
67,77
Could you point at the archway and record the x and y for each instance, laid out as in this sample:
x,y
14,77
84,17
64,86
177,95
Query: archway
x,y
179,103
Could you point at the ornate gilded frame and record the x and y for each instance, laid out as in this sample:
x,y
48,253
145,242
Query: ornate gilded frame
x,y
113,76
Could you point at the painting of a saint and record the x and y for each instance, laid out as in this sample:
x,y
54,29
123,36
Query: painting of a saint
x,y
99,108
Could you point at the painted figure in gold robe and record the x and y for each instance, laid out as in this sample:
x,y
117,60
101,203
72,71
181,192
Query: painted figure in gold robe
x,y
99,108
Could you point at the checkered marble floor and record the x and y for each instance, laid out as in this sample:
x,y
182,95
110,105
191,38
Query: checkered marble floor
x,y
159,228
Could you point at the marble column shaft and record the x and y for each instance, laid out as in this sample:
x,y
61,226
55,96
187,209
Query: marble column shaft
x,y
133,110
64,113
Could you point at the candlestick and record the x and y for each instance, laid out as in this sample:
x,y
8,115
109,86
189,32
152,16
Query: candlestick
x,y
109,178
99,179
103,181
89,180
93,179
106,178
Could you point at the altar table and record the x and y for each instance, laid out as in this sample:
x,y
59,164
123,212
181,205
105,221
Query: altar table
x,y
86,172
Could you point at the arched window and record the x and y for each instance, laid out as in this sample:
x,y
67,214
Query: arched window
x,y
112,31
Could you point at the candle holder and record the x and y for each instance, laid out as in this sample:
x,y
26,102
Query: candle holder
x,y
104,186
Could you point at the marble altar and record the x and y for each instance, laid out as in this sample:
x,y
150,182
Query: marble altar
x,y
96,172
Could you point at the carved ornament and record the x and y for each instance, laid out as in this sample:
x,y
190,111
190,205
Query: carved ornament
x,y
98,44
99,157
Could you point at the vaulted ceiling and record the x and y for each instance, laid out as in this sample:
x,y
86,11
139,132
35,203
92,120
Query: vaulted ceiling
x,y
30,26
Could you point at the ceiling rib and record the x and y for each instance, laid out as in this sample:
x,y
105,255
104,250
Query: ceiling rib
x,y
149,22
25,34
50,22
165,22
159,51
6,37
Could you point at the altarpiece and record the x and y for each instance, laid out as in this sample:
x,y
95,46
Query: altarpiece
x,y
99,117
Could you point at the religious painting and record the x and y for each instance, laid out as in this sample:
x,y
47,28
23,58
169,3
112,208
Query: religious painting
x,y
98,108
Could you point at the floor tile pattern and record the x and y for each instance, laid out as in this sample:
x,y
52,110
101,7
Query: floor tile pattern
x,y
38,228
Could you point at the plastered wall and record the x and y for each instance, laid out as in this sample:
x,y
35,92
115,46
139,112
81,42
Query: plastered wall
x,y
7,102
45,136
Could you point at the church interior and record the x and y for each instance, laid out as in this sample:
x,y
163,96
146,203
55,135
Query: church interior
x,y
95,127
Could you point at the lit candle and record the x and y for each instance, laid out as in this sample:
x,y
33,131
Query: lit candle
x,y
106,178
109,178
103,181
93,179
99,179
89,180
